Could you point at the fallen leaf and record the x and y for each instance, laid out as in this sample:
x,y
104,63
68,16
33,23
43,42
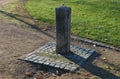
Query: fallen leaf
x,y
87,74
28,73
53,78
45,29
40,78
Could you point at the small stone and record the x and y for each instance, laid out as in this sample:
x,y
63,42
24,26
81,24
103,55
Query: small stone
x,y
40,62
57,65
73,68
107,67
30,57
94,45
36,61
52,64
54,75
67,67
26,59
62,66
34,58
104,58
47,62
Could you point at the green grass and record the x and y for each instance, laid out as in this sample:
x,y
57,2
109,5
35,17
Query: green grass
x,y
94,19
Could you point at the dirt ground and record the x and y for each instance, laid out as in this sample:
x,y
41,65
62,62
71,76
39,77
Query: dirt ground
x,y
17,39
4,2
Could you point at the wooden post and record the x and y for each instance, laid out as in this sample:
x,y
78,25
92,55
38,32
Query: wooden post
x,y
63,26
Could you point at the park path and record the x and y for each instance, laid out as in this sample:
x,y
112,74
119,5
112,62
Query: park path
x,y
16,39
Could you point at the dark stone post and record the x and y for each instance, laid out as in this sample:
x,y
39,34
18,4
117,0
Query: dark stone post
x,y
63,26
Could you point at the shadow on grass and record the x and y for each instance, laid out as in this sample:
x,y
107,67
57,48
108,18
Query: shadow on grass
x,y
116,67
21,20
104,74
100,72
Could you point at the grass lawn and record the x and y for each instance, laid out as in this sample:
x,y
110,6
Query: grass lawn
x,y
94,19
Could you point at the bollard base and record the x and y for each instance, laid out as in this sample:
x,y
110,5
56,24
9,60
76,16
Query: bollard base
x,y
46,55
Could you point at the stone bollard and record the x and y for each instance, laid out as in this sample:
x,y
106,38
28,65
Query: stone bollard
x,y
63,27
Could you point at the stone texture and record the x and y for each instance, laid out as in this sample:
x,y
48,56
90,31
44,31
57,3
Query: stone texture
x,y
62,66
69,62
63,21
